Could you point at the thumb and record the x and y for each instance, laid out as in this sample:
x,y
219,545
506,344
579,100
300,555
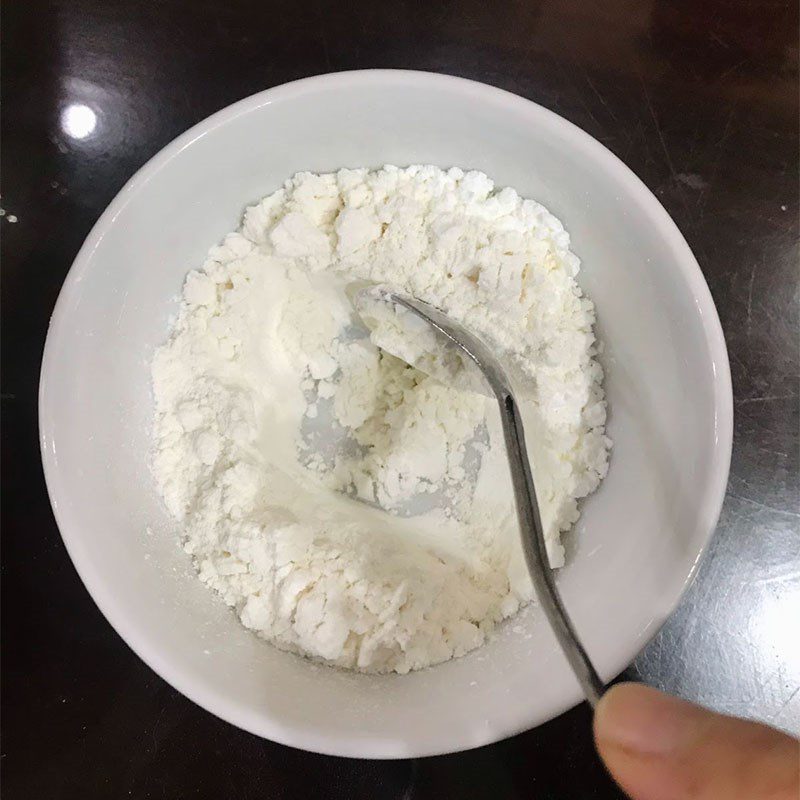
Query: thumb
x,y
658,747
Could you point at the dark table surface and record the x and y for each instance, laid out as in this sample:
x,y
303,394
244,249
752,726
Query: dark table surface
x,y
699,99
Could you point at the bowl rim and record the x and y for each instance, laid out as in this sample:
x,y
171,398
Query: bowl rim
x,y
681,255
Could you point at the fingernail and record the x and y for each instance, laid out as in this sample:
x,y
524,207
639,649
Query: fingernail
x,y
638,718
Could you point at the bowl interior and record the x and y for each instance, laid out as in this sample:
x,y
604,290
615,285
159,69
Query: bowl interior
x,y
668,387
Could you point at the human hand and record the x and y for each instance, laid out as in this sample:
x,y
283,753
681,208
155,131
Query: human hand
x,y
658,747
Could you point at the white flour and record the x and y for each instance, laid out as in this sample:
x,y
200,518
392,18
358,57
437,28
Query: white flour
x,y
272,407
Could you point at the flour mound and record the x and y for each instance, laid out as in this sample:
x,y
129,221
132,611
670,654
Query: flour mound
x,y
350,507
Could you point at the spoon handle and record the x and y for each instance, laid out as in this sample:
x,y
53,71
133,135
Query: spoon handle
x,y
535,550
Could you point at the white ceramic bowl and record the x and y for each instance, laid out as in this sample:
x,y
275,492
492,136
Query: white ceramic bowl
x,y
668,385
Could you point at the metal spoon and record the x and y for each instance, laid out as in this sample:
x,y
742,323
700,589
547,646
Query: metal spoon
x,y
530,522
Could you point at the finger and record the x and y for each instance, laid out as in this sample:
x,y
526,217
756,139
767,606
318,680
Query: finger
x,y
658,747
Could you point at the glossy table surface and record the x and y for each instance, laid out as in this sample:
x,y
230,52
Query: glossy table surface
x,y
700,100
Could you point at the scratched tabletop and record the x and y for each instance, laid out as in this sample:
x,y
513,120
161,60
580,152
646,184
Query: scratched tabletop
x,y
699,99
